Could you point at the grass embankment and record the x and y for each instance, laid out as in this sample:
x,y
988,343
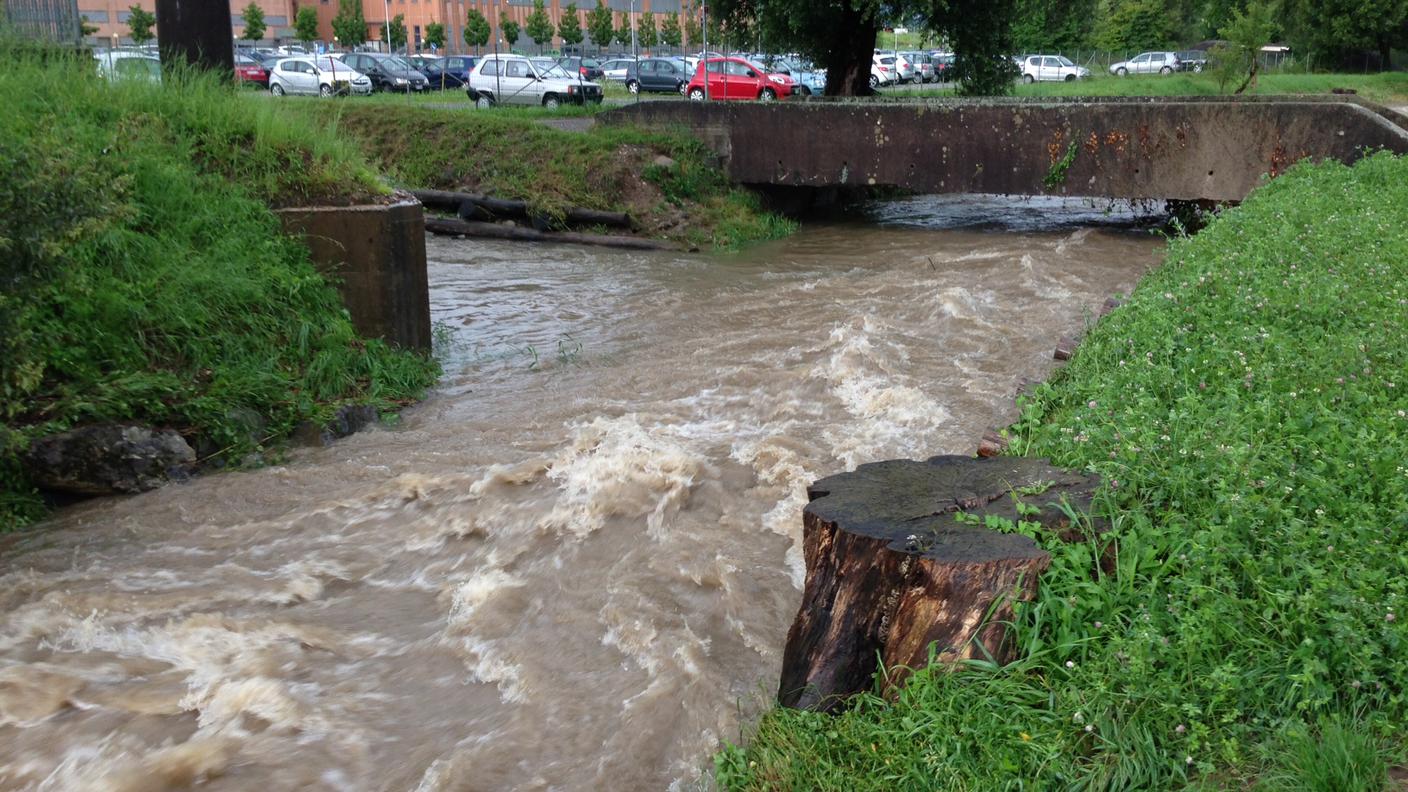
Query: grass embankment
x,y
508,153
144,278
1249,409
1389,88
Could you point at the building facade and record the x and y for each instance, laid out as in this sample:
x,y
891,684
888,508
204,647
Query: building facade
x,y
110,18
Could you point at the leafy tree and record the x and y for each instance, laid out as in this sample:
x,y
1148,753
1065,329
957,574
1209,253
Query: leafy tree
x,y
600,25
1053,25
476,30
305,24
1340,30
670,33
509,29
86,28
648,35
569,26
1246,34
539,27
139,24
1138,25
693,31
435,35
253,18
349,26
395,36
623,30
982,40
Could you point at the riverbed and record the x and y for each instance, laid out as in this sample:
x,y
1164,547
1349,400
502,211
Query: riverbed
x,y
573,566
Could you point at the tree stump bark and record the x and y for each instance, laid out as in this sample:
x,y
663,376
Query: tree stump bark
x,y
891,569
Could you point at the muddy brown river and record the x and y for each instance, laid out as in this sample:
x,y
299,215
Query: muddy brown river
x,y
574,566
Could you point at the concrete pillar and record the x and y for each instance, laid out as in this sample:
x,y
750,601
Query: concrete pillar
x,y
198,32
376,256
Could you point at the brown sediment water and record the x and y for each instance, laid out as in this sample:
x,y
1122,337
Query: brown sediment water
x,y
574,566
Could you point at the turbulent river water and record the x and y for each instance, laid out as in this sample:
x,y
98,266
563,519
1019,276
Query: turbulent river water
x,y
574,566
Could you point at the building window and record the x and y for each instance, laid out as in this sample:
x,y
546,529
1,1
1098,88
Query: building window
x,y
94,16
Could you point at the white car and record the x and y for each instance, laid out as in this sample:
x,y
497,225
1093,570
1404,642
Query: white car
x,y
1147,63
322,76
1051,68
514,79
882,73
615,69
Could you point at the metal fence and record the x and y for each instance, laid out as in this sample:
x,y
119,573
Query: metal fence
x,y
47,20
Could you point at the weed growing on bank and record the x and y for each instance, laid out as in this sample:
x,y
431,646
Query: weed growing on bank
x,y
508,153
1247,407
143,277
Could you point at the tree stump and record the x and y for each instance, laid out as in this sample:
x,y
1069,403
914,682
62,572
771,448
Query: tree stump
x,y
891,569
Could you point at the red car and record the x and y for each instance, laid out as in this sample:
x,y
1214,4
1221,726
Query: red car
x,y
736,78
248,70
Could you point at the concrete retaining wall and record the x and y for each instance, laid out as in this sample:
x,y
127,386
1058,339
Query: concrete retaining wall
x,y
1193,149
377,256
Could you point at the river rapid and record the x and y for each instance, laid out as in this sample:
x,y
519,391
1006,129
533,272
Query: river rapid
x,y
574,566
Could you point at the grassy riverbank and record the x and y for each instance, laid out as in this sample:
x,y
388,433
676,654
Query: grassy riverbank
x,y
511,153
1249,408
145,279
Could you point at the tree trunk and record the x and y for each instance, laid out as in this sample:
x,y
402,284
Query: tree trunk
x,y
850,53
892,571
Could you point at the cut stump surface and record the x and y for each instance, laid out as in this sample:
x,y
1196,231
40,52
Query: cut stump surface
x,y
891,569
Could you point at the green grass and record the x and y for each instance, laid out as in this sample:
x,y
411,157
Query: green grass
x,y
1390,88
507,152
144,278
1249,410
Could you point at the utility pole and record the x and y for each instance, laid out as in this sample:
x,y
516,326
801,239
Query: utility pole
x,y
195,33
386,26
704,55
635,51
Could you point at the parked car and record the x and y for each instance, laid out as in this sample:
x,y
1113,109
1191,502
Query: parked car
x,y
387,72
249,70
882,73
514,79
810,80
1192,60
1147,63
736,78
135,67
1051,68
657,75
614,69
318,76
923,66
442,72
902,70
943,64
589,68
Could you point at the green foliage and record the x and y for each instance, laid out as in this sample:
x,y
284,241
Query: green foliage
x,y
253,17
509,28
569,26
509,154
86,28
599,25
1337,30
539,27
623,30
394,35
1053,25
476,29
981,35
693,31
670,33
1247,409
139,24
1390,88
349,27
435,35
305,24
1249,31
1132,25
649,33
143,276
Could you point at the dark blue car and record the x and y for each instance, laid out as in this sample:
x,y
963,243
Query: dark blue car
x,y
454,69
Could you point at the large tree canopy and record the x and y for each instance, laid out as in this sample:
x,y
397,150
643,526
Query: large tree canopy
x,y
841,35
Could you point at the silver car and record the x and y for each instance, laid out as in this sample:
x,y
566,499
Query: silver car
x,y
513,79
319,76
1147,63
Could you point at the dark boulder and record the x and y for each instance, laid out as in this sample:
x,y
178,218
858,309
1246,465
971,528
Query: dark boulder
x,y
348,420
108,459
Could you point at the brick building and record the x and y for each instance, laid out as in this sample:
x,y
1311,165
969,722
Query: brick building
x,y
110,17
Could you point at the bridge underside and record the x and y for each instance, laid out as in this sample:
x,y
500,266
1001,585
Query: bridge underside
x,y
1196,149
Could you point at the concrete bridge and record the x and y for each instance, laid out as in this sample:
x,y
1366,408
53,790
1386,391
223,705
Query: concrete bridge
x,y
1195,149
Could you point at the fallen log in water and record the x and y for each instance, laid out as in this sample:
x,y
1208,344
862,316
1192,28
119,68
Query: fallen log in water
x,y
891,569
472,206
449,226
